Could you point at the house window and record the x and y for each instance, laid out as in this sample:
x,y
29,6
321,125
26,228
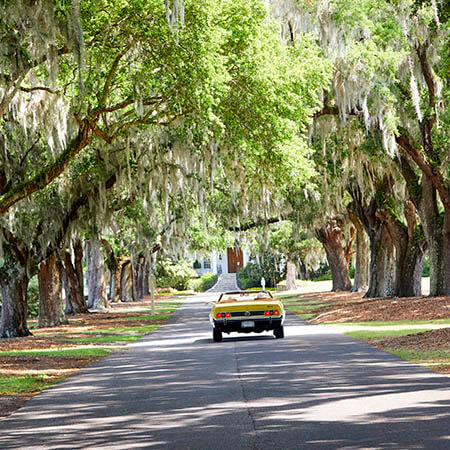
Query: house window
x,y
220,256
207,264
197,264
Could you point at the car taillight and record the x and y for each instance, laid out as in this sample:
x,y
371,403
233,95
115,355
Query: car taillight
x,y
219,315
266,313
227,315
276,313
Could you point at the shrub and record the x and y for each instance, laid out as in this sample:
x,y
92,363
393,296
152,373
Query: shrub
x,y
205,282
250,276
174,274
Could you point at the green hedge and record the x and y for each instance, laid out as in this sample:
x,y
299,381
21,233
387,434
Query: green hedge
x,y
174,274
205,282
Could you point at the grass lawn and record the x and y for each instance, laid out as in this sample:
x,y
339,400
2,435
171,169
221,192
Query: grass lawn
x,y
25,384
146,317
381,323
365,335
96,352
136,329
107,339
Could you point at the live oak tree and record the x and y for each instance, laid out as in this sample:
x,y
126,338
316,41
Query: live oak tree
x,y
135,77
388,71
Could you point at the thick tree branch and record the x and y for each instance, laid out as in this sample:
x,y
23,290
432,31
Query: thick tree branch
x,y
419,157
46,175
256,223
112,72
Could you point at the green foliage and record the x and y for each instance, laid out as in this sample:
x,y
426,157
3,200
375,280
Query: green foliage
x,y
269,268
174,274
205,282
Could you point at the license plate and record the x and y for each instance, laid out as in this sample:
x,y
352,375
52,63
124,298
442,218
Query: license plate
x,y
248,324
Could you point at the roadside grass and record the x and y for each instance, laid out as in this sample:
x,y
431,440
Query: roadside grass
x,y
157,310
306,316
289,296
96,352
25,384
365,335
422,355
146,317
106,339
380,323
136,329
436,360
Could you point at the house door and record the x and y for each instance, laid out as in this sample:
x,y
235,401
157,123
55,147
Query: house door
x,y
235,256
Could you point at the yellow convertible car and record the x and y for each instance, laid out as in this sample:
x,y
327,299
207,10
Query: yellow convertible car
x,y
246,312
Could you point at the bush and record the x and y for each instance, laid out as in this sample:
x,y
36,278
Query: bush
x,y
323,277
205,282
174,274
250,276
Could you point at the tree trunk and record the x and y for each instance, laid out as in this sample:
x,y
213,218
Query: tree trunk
x,y
146,281
111,263
291,275
66,288
382,268
361,281
13,290
330,238
437,231
51,305
126,277
410,244
78,264
303,272
96,283
139,279
76,297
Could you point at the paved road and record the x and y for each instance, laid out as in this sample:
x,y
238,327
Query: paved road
x,y
175,389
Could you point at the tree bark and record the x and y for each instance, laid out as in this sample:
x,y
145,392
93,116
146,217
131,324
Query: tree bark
x,y
146,281
291,275
138,279
381,271
51,305
78,264
126,276
303,273
361,281
96,282
330,238
75,297
13,289
410,244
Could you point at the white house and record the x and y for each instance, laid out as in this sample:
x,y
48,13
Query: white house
x,y
228,262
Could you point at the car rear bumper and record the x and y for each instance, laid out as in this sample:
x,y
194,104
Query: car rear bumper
x,y
236,325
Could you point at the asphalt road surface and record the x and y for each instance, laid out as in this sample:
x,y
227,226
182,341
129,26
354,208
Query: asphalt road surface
x,y
176,389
